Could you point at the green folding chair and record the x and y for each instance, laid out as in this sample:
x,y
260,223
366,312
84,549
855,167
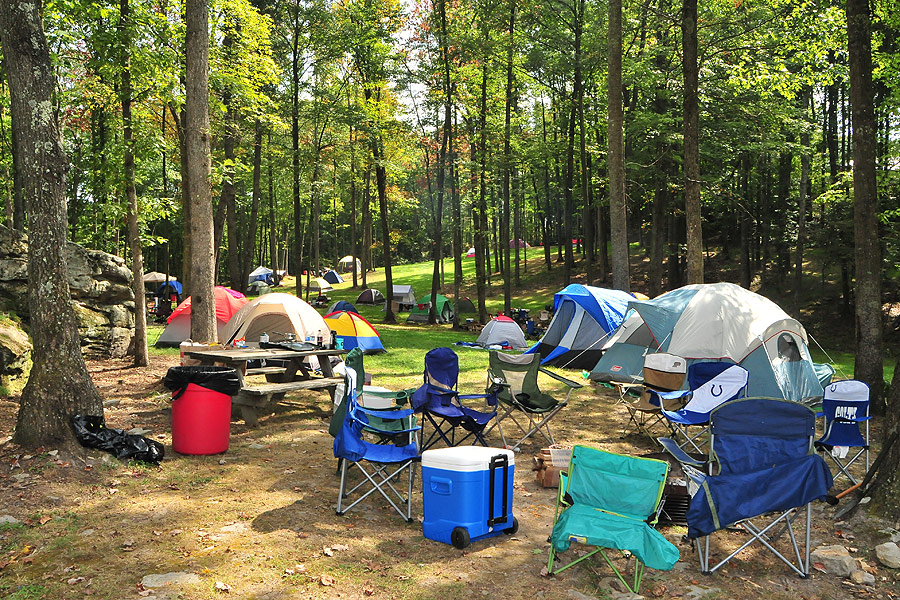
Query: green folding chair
x,y
612,501
514,378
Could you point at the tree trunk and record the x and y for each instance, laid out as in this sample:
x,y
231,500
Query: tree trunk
x,y
59,384
273,237
256,193
227,195
690,70
141,353
868,366
295,148
507,164
441,165
481,246
617,212
196,133
801,210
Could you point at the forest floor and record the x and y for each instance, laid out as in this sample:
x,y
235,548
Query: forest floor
x,y
259,522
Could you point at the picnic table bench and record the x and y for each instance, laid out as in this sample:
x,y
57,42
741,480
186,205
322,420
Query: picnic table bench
x,y
293,377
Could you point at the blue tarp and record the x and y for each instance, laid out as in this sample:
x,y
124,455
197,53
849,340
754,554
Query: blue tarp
x,y
173,285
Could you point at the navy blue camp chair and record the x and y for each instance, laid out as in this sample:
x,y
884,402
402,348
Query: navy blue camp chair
x,y
845,407
393,452
439,402
709,385
761,465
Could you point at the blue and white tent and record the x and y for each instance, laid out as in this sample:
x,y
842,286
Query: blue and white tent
x,y
716,322
583,318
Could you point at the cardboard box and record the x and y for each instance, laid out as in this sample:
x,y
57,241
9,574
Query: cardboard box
x,y
546,470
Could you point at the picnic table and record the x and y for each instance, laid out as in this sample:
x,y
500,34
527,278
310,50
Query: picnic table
x,y
294,376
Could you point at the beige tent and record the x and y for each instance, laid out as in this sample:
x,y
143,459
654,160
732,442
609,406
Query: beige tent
x,y
157,277
319,285
345,265
277,315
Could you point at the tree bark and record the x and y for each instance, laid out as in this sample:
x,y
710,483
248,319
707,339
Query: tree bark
x,y
868,365
141,352
59,384
797,292
256,193
507,164
617,212
690,70
481,246
196,133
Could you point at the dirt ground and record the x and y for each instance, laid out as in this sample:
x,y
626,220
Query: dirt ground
x,y
259,522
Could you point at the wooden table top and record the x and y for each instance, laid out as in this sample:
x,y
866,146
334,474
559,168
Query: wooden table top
x,y
238,355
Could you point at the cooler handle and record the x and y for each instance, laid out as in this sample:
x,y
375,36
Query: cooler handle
x,y
441,485
500,460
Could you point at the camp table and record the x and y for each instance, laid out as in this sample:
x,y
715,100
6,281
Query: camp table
x,y
296,375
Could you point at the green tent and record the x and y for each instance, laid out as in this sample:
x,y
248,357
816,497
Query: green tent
x,y
419,312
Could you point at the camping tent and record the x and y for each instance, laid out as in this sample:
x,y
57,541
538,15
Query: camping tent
x,y
356,331
370,296
464,305
715,322
342,305
583,318
522,244
333,276
503,331
419,311
276,314
155,277
259,287
404,294
172,287
317,284
470,253
179,322
346,265
261,274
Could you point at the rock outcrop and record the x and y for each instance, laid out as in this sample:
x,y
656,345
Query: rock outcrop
x,y
100,284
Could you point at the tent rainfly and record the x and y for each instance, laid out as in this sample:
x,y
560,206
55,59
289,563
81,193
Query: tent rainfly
x,y
503,331
419,311
584,316
370,296
178,328
278,315
260,274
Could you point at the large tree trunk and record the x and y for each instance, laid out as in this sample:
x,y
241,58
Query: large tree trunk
x,y
617,212
141,353
441,165
250,249
59,385
868,366
797,292
507,165
692,143
227,197
196,133
481,246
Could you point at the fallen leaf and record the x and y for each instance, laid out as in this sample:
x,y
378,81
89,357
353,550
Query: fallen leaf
x,y
340,547
819,567
43,519
328,552
75,580
658,590
326,580
222,587
545,572
368,591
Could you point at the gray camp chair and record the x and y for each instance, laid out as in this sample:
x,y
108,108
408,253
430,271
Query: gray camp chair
x,y
514,378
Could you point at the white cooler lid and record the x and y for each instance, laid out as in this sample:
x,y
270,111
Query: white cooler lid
x,y
464,458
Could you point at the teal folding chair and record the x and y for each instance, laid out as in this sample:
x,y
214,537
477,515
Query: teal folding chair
x,y
612,501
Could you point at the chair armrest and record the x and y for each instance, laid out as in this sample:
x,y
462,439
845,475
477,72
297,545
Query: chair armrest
x,y
670,446
568,382
673,395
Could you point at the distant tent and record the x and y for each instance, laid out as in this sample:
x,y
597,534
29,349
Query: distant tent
x,y
234,293
342,305
258,288
155,277
333,276
471,252
261,274
278,315
172,287
503,331
179,322
346,265
319,285
522,244
584,316
356,331
419,312
464,305
404,294
370,296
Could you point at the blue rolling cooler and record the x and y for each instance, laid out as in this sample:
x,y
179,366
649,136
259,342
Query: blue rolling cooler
x,y
467,494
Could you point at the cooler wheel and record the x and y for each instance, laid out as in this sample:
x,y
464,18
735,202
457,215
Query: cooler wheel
x,y
459,537
515,527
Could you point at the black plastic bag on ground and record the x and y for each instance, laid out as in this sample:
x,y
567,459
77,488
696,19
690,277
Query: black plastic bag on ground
x,y
218,379
92,432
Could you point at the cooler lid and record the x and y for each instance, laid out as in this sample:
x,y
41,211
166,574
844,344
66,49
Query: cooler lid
x,y
464,458
663,361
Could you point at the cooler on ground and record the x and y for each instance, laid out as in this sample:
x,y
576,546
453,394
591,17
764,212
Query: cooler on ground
x,y
467,494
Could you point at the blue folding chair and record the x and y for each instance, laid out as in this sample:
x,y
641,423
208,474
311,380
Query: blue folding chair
x,y
439,402
845,407
761,464
709,385
381,462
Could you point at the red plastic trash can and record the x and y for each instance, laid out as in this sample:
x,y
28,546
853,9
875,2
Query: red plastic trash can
x,y
201,408
201,421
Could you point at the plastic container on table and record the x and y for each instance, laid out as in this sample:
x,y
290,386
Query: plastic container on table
x,y
467,494
201,408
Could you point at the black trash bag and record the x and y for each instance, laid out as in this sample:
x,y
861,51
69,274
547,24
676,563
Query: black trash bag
x,y
218,379
92,432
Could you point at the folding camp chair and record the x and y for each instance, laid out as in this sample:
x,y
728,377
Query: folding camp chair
x,y
515,380
710,384
612,501
439,402
845,406
761,465
380,463
661,372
